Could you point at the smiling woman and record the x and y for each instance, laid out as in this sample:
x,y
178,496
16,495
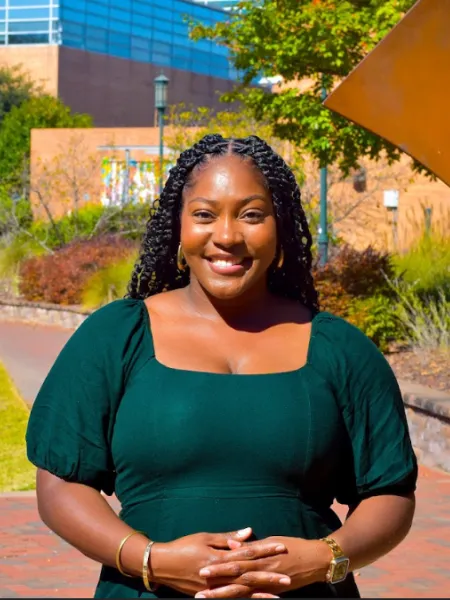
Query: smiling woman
x,y
227,413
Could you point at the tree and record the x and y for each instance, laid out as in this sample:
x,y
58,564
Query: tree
x,y
15,88
310,44
15,133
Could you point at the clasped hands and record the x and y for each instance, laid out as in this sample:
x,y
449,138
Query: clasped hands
x,y
228,566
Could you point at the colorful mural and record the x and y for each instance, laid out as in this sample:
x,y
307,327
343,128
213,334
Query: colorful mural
x,y
135,182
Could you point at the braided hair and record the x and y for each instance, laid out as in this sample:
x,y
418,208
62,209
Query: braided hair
x,y
156,268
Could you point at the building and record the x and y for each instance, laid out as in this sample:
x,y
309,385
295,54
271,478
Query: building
x,y
101,56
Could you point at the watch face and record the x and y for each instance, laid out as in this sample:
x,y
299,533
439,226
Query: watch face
x,y
340,569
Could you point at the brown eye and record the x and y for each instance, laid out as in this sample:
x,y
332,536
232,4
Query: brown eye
x,y
254,216
203,215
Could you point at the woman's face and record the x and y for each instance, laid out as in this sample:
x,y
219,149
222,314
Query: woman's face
x,y
228,228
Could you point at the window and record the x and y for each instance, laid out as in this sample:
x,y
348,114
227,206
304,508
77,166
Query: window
x,y
141,43
72,15
29,13
119,26
14,3
73,28
145,32
96,33
97,9
121,51
161,59
96,45
121,15
96,21
34,38
121,39
139,54
31,26
78,5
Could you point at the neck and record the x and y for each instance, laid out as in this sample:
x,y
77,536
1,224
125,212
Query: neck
x,y
253,303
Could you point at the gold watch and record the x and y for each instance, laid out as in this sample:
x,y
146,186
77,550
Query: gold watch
x,y
339,564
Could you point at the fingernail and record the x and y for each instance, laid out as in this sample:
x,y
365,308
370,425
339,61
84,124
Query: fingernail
x,y
205,573
280,548
244,532
200,596
285,581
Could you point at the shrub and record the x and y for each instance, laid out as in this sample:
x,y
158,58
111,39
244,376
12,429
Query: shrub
x,y
108,284
352,274
77,225
60,278
425,320
93,219
378,318
426,266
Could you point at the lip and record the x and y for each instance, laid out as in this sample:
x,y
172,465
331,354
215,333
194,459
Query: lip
x,y
233,268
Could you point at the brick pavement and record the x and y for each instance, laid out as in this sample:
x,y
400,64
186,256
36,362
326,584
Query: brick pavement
x,y
35,563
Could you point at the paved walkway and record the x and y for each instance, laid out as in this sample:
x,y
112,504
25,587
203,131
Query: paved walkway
x,y
28,352
35,563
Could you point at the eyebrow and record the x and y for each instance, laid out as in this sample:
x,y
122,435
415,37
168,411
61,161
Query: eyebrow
x,y
242,202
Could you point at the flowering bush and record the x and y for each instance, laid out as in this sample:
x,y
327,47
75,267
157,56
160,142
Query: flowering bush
x,y
60,278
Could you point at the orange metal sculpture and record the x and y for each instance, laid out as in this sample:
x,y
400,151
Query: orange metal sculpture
x,y
401,90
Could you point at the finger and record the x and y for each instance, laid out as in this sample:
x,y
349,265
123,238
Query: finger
x,y
260,549
254,579
234,544
220,540
227,591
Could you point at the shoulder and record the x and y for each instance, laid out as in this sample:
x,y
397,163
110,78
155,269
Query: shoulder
x,y
115,320
116,332
342,335
339,349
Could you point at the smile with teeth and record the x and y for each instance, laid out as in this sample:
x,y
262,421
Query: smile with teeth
x,y
220,262
229,266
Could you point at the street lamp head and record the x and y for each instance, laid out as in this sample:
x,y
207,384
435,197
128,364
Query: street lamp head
x,y
161,83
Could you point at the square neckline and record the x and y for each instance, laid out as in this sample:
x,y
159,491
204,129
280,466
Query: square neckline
x,y
306,365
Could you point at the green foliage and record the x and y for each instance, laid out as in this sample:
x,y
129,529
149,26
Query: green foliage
x,y
377,317
15,133
60,278
426,266
76,225
425,319
306,40
353,285
15,88
108,284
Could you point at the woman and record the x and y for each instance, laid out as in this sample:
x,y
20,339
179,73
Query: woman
x,y
225,403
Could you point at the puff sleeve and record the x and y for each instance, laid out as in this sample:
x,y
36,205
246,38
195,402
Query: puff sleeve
x,y
72,419
380,454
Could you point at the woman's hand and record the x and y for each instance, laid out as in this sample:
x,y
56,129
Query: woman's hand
x,y
304,562
178,564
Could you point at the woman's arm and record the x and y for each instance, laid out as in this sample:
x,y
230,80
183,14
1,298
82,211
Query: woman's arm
x,y
82,516
376,526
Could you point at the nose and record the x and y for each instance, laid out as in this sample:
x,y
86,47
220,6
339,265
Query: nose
x,y
227,232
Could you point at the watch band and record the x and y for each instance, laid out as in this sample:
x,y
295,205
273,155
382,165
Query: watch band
x,y
334,547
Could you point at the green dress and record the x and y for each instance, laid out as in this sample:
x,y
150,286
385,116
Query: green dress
x,y
187,451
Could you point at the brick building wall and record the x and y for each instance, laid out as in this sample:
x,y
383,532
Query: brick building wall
x,y
116,92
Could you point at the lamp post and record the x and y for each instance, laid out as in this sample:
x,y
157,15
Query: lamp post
x,y
323,221
161,83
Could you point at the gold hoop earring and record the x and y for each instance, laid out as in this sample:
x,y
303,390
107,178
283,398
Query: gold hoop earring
x,y
181,263
280,259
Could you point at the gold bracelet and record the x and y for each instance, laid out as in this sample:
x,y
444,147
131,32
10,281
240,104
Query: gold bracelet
x,y
145,569
119,552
